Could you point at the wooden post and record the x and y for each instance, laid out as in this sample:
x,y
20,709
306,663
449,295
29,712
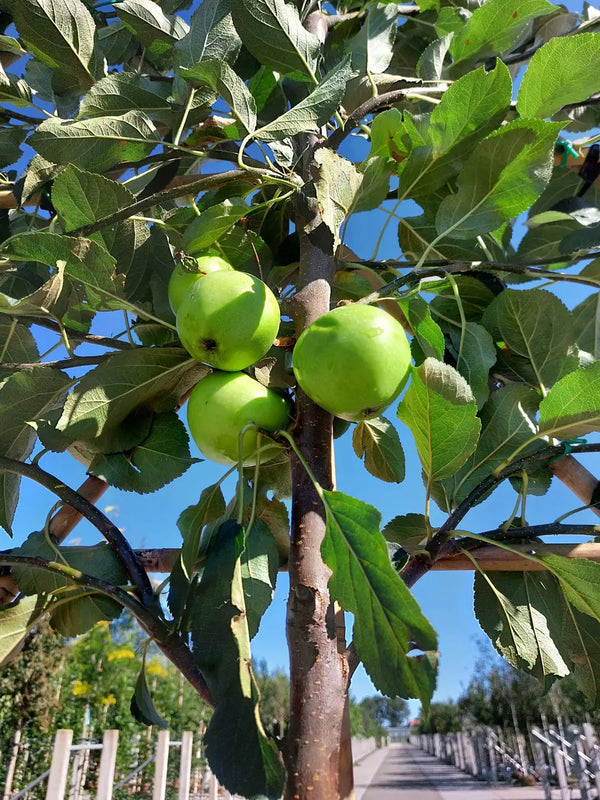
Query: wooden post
x,y
491,752
561,773
579,768
213,787
593,752
59,768
160,770
185,765
543,769
108,760
12,764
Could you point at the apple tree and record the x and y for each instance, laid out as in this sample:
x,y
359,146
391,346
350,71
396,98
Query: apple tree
x,y
137,137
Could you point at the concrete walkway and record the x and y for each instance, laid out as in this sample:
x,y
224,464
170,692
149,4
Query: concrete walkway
x,y
403,772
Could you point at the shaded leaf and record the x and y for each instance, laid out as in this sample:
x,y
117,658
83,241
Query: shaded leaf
x,y
273,33
210,226
372,47
151,25
377,442
312,112
337,183
16,620
533,325
24,396
212,35
475,354
96,144
586,325
408,530
141,706
219,76
388,622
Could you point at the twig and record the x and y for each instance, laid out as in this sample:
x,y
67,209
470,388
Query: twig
x,y
99,520
88,338
419,564
492,558
66,363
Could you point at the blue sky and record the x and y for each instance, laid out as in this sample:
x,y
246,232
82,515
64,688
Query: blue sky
x,y
446,598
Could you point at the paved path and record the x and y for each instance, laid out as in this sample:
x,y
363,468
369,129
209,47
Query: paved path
x,y
403,772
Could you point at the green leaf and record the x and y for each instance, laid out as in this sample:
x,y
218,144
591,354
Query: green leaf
x,y
337,183
142,707
16,620
430,66
219,76
475,354
377,441
192,520
116,43
315,110
572,407
220,636
83,261
441,413
470,108
563,71
10,145
428,334
394,135
502,177
272,31
579,579
534,325
60,34
387,620
373,46
82,612
212,35
374,187
157,460
18,345
582,238
119,92
140,380
516,610
40,303
495,27
586,325
508,422
408,530
24,397
208,228
14,90
259,567
96,144
151,25
544,241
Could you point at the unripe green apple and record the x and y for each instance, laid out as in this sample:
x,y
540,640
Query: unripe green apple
x,y
352,361
228,320
221,404
185,275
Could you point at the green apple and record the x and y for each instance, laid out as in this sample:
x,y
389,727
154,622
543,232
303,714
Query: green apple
x,y
228,320
187,272
352,361
221,404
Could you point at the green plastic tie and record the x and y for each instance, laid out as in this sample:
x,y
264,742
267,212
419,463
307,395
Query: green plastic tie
x,y
568,150
566,445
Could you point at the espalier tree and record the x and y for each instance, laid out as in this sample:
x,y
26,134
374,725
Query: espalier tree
x,y
253,130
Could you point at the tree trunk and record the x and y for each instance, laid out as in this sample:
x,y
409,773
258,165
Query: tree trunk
x,y
317,745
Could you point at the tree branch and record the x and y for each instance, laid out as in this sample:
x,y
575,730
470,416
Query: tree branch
x,y
459,267
99,520
197,183
492,558
88,338
419,564
169,642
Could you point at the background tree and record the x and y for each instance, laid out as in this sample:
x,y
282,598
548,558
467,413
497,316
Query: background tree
x,y
124,121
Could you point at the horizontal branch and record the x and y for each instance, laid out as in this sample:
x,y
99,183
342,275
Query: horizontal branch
x,y
167,640
491,558
88,338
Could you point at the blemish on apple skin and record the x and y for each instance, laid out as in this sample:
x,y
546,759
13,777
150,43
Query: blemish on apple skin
x,y
373,332
209,345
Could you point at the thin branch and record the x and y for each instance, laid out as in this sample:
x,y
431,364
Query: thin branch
x,y
419,564
88,338
459,267
66,363
368,107
168,641
196,184
99,520
8,114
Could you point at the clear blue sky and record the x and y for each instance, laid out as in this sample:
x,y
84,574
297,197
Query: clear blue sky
x,y
446,598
